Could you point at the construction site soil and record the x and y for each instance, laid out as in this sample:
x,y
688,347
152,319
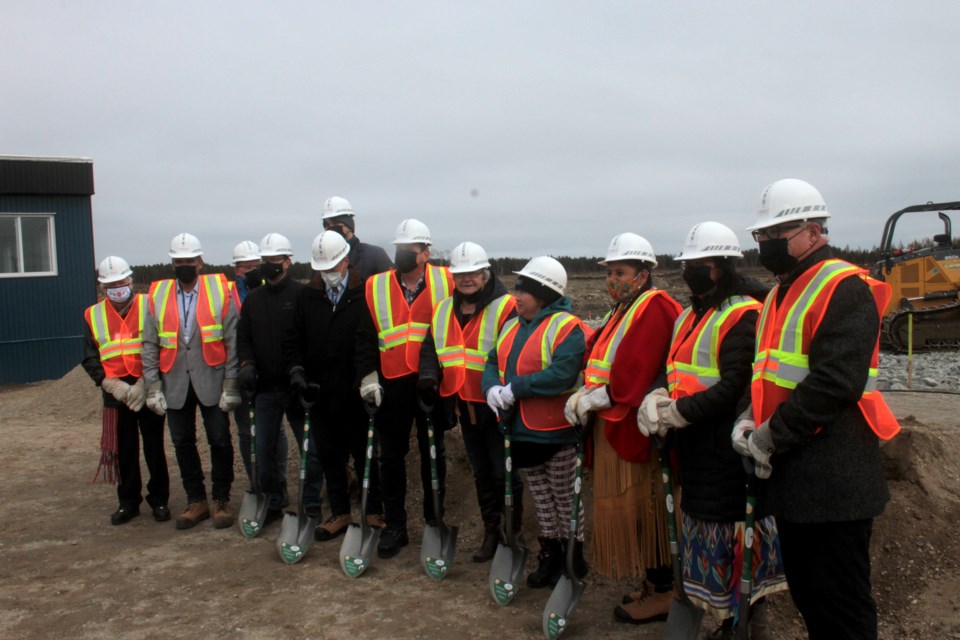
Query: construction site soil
x,y
65,572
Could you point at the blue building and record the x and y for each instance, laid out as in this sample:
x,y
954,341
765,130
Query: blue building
x,y
46,265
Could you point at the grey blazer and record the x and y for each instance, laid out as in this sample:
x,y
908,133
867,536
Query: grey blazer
x,y
189,367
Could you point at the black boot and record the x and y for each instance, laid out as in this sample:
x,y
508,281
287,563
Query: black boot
x,y
491,538
580,567
551,564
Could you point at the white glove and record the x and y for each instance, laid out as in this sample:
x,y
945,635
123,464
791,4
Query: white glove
x,y
137,396
570,409
668,416
742,428
494,401
592,400
156,402
506,397
116,387
370,389
647,414
230,396
760,444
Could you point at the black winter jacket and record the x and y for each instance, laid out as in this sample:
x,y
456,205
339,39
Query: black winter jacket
x,y
265,317
368,259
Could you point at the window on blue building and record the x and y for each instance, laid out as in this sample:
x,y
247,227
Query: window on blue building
x,y
27,245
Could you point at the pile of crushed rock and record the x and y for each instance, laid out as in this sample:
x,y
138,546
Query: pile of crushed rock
x,y
935,371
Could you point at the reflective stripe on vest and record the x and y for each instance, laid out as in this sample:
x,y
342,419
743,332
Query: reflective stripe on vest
x,y
119,340
212,307
604,350
782,360
538,413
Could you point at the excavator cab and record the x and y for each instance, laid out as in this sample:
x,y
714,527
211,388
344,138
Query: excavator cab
x,y
925,279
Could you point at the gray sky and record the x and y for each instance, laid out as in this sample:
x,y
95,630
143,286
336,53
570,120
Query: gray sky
x,y
573,121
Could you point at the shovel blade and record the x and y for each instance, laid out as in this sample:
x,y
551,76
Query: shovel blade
x,y
357,549
683,621
563,600
506,571
433,550
295,537
253,510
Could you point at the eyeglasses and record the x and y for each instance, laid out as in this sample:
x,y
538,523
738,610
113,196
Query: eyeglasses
x,y
777,232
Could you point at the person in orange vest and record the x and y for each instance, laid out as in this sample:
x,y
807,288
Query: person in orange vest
x,y
707,371
626,354
402,303
190,362
526,381
111,357
813,420
464,329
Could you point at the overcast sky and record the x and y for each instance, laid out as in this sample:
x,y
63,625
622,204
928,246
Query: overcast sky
x,y
528,127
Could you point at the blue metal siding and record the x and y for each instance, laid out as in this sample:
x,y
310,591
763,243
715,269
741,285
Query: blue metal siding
x,y
41,332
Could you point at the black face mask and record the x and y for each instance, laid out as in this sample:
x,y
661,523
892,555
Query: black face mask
x,y
406,260
698,279
253,278
185,273
270,270
336,228
775,257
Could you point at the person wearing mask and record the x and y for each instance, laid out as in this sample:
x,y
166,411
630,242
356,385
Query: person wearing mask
x,y
190,362
267,314
366,259
626,354
111,346
332,344
246,263
708,369
401,303
527,380
815,419
464,329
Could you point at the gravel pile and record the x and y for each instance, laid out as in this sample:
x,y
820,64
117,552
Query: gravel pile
x,y
938,371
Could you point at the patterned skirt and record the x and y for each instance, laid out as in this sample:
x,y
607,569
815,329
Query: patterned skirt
x,y
713,562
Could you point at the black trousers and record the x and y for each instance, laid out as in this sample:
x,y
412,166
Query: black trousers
x,y
131,427
337,435
827,565
394,421
182,424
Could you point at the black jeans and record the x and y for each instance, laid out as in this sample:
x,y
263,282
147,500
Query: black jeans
x,y
183,433
271,406
339,432
394,420
241,416
131,427
827,565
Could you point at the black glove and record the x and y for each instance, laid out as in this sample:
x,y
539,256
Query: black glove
x,y
427,391
298,379
247,378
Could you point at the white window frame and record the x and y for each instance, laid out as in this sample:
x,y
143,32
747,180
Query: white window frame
x,y
51,244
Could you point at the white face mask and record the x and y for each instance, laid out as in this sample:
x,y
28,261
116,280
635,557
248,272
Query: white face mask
x,y
332,278
119,294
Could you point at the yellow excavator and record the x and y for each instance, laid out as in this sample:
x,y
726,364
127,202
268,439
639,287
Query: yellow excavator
x,y
925,282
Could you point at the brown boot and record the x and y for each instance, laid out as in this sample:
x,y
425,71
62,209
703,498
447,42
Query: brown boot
x,y
333,527
194,514
376,520
653,608
222,517
636,596
759,622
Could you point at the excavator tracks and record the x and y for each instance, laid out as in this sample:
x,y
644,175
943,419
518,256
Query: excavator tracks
x,y
934,328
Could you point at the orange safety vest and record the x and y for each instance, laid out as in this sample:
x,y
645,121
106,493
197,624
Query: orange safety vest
x,y
401,328
119,340
694,349
539,413
463,352
213,302
600,362
784,333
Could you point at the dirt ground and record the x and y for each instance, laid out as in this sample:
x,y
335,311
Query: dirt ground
x,y
65,572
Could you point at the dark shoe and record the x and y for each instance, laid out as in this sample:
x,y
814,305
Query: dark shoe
x,y
333,527
272,516
193,515
653,608
314,512
550,567
124,514
579,563
488,548
161,513
391,541
222,516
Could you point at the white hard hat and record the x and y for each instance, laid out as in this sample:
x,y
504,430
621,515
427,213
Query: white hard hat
x,y
468,257
630,246
274,244
412,231
185,245
789,200
113,269
547,271
246,250
710,240
336,206
328,249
